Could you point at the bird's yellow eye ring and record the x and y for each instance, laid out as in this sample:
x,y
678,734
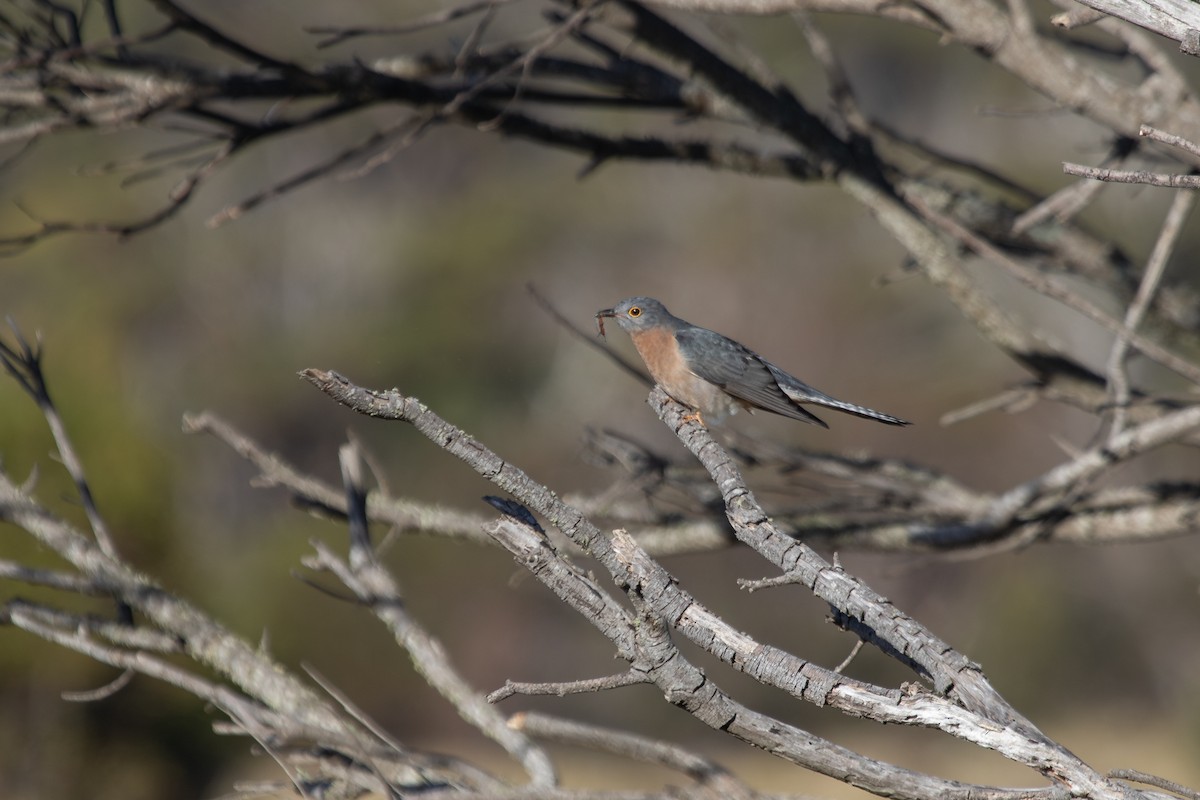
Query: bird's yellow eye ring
x,y
635,311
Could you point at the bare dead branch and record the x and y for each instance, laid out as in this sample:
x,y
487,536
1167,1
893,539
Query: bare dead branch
x,y
633,568
240,708
202,638
24,362
1047,288
1171,18
54,579
1133,176
1157,135
564,688
188,21
374,586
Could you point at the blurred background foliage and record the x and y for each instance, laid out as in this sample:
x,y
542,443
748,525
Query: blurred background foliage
x,y
415,276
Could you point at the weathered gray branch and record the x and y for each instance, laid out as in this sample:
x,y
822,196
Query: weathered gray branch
x,y
983,716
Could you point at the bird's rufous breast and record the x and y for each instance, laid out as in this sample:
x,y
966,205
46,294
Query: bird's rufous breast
x,y
659,349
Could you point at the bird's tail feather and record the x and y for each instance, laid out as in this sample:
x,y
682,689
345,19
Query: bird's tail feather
x,y
851,408
801,392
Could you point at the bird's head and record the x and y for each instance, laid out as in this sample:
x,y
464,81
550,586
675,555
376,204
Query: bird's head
x,y
636,314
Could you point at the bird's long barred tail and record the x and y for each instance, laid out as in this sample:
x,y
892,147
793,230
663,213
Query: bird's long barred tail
x,y
858,411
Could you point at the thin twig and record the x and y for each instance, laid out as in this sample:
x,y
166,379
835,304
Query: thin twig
x,y
854,651
585,337
564,688
1171,139
103,692
1010,400
1062,205
1165,180
1155,781
641,748
353,710
319,170
337,35
1156,265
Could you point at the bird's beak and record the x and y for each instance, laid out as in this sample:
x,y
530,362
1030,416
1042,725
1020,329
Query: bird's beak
x,y
600,317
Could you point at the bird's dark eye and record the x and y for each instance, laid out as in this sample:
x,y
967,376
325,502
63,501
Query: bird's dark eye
x,y
635,312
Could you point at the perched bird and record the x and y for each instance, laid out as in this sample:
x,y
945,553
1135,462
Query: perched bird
x,y
713,374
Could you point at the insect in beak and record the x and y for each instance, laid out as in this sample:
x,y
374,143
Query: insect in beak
x,y
600,315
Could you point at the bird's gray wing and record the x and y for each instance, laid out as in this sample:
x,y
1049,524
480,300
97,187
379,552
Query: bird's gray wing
x,y
737,370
